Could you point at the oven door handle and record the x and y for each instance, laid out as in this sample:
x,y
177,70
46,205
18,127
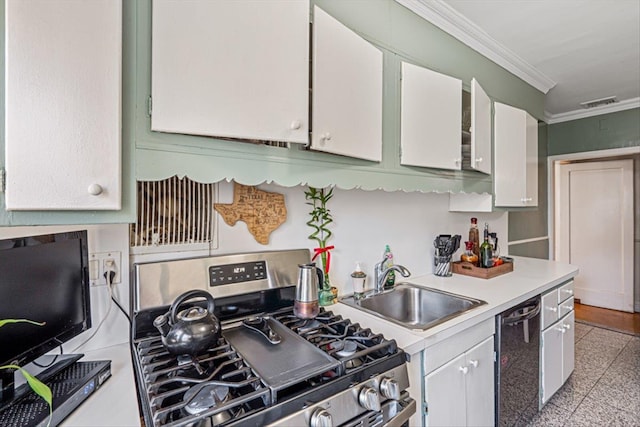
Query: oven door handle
x,y
403,416
526,315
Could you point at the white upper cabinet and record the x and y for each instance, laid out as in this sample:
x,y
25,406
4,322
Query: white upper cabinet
x,y
237,69
431,113
516,157
480,129
63,73
347,91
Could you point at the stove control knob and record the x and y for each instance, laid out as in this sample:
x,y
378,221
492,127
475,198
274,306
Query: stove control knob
x,y
369,399
389,388
321,418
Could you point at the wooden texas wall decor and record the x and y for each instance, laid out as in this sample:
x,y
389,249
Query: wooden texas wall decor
x,y
262,211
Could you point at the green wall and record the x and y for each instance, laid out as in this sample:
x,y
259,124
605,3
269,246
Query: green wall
x,y
614,130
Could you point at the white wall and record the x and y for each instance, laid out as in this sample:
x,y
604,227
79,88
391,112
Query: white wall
x,y
364,221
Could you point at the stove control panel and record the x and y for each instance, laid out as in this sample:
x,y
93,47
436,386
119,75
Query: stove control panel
x,y
237,273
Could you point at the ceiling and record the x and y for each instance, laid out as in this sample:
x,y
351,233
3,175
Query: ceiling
x,y
573,50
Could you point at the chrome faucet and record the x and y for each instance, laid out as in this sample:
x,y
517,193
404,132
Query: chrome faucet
x,y
381,274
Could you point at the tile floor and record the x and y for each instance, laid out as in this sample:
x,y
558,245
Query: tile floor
x,y
604,389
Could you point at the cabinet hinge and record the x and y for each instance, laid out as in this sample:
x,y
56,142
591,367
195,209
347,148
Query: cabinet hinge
x,y
2,180
426,408
149,108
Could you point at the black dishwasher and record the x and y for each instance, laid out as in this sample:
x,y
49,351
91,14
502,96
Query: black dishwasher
x,y
517,361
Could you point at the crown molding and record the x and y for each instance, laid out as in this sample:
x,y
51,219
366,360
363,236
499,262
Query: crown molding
x,y
582,113
449,20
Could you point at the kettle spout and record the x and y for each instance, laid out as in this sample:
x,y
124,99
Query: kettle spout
x,y
162,323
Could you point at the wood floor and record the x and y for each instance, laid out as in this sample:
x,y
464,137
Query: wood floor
x,y
617,320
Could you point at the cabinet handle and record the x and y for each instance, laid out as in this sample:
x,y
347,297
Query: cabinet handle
x,y
554,309
464,369
479,160
561,329
567,327
326,137
95,189
568,291
473,363
526,199
295,125
458,161
568,307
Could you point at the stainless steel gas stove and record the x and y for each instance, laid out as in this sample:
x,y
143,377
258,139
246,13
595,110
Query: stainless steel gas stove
x,y
326,371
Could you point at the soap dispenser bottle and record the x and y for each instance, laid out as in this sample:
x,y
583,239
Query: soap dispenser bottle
x,y
358,279
388,262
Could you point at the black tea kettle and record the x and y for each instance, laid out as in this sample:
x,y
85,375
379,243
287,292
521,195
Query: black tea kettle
x,y
192,330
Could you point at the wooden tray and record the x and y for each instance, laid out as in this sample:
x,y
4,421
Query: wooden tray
x,y
468,269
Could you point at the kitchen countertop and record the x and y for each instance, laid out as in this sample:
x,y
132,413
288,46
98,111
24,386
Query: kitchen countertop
x,y
115,403
530,277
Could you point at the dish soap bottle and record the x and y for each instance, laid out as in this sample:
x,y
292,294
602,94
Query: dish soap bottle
x,y
358,278
388,262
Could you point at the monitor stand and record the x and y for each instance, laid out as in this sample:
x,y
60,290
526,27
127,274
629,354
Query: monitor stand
x,y
15,386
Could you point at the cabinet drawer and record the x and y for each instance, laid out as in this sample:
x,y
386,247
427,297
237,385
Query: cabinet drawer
x,y
549,309
565,307
565,291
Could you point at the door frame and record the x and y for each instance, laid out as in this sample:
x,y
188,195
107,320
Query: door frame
x,y
552,170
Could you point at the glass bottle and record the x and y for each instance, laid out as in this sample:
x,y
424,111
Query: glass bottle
x,y
486,253
474,238
468,255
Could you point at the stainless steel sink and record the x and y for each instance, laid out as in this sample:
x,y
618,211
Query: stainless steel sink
x,y
415,307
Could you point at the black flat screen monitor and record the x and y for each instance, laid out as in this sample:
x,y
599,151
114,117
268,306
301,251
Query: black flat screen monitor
x,y
45,279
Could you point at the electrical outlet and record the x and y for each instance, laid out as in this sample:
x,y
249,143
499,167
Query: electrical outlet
x,y
100,263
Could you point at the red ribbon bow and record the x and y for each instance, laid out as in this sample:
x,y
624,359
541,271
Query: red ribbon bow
x,y
319,251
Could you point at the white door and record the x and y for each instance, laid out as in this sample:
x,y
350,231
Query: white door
x,y
568,346
347,91
237,69
480,385
63,68
430,117
445,394
594,230
480,129
551,360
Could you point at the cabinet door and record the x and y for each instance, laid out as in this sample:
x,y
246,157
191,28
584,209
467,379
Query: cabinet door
x,y
531,192
445,394
480,129
510,125
431,113
549,311
551,353
480,384
347,91
568,346
237,69
63,104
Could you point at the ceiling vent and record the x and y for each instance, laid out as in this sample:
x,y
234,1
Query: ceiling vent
x,y
599,102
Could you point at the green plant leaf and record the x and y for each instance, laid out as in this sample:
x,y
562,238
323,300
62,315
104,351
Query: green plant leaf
x,y
6,321
40,388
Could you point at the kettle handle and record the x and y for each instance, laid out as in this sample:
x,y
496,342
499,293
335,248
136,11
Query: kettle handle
x,y
320,277
211,305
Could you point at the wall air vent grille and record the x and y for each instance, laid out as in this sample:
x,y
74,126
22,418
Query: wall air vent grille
x,y
173,214
599,102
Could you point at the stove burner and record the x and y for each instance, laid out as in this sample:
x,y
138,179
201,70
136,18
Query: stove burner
x,y
345,348
202,398
309,325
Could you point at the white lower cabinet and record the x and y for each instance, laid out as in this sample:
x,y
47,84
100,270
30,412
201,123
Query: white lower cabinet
x,y
461,391
557,347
